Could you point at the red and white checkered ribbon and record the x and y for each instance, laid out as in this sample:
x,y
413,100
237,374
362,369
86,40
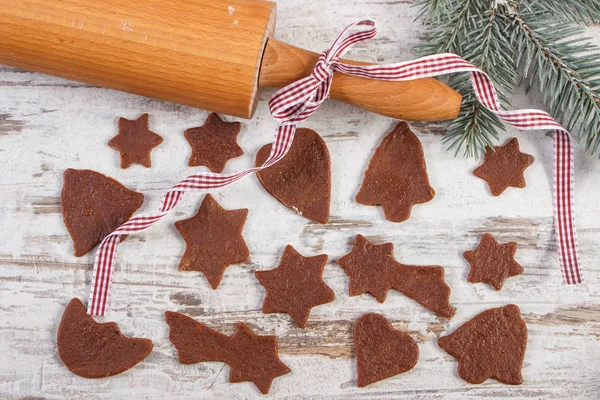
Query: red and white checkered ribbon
x,y
297,101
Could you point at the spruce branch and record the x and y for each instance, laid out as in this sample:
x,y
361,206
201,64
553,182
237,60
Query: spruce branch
x,y
566,70
539,38
451,20
479,31
577,11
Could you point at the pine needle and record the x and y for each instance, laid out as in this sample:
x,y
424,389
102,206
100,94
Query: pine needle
x,y
538,39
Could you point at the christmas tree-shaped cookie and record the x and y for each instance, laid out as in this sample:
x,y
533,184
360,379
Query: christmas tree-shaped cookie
x,y
396,178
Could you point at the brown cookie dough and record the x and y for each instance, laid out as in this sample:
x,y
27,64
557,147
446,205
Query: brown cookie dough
x,y
214,143
425,285
135,142
295,286
302,179
250,357
371,268
93,350
492,262
195,342
396,178
255,359
491,345
504,167
213,239
94,205
381,350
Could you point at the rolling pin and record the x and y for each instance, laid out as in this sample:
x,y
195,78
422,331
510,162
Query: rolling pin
x,y
213,55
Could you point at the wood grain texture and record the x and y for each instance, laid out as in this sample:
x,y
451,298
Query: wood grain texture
x,y
49,124
424,99
200,53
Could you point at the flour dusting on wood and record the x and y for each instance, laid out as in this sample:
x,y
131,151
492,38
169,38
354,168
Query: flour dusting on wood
x,y
49,124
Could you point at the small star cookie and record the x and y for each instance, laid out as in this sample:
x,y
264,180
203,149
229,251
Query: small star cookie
x,y
135,142
504,167
214,143
492,262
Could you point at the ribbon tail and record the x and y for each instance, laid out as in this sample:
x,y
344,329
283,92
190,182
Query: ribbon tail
x,y
564,214
104,267
106,255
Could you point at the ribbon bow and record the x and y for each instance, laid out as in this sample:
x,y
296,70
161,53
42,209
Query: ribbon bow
x,y
299,100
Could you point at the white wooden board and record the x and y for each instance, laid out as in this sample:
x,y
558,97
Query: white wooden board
x,y
49,124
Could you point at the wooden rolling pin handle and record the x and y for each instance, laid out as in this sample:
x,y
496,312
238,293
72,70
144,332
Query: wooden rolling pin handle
x,y
418,100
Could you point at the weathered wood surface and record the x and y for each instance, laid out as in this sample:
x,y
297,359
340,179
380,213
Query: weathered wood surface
x,y
49,124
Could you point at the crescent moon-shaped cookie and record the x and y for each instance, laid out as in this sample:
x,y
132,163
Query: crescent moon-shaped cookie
x,y
96,350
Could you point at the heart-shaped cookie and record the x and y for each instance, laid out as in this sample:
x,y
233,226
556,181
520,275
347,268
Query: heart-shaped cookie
x,y
381,350
302,179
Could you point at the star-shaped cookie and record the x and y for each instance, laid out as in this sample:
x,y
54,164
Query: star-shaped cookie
x,y
135,142
295,286
371,268
492,262
213,240
504,167
214,143
256,359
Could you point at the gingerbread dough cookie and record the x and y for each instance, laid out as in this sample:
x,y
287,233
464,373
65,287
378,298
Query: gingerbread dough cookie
x,y
425,285
250,357
255,359
135,142
94,205
492,262
302,179
213,239
371,268
504,167
381,350
93,350
295,286
491,345
214,143
396,178
195,342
